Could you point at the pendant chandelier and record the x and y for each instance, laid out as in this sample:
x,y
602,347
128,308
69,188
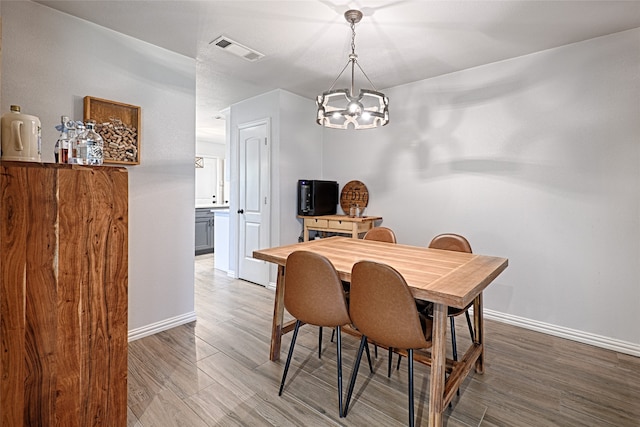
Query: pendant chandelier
x,y
341,108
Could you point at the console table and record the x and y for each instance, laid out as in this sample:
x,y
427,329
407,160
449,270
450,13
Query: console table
x,y
338,224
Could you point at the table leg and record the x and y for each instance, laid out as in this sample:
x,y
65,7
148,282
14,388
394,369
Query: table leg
x,y
438,363
305,232
278,316
354,230
478,320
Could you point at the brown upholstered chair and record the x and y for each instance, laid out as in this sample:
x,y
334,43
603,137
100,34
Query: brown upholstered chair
x,y
380,234
453,242
314,295
458,243
382,307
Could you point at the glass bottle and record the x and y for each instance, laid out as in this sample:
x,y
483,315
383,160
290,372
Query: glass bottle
x,y
71,132
79,146
95,144
61,150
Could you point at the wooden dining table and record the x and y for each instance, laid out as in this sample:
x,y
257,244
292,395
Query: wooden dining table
x,y
446,278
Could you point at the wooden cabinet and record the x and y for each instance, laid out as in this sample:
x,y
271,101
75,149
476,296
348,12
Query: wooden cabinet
x,y
63,295
338,224
204,231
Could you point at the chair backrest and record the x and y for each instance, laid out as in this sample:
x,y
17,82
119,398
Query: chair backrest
x,y
380,234
450,242
382,307
313,290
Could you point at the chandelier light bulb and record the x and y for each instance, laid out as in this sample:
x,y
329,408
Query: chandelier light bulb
x,y
355,107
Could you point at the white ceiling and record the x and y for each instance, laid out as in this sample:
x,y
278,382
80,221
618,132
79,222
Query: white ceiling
x,y
306,42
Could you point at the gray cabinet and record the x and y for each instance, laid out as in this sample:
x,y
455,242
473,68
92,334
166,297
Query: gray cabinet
x,y
204,231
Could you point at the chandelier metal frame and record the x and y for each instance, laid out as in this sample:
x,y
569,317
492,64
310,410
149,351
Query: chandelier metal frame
x,y
341,108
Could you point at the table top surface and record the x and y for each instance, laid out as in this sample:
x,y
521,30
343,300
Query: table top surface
x,y
447,277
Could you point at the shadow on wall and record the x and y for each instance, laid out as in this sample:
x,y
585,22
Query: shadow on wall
x,y
543,119
435,124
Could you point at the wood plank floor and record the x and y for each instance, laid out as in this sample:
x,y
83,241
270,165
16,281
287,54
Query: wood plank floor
x,y
216,372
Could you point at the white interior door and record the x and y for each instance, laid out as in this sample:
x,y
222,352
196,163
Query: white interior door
x,y
254,204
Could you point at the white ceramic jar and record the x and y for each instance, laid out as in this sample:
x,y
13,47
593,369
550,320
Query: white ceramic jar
x,y
21,136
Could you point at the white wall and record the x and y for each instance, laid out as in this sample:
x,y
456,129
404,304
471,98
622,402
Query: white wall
x,y
300,157
296,152
535,159
50,62
212,149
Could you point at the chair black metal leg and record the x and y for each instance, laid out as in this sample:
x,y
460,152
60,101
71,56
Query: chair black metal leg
x,y
354,373
453,338
320,343
333,334
375,350
470,325
339,361
399,360
410,357
455,346
369,358
390,360
286,365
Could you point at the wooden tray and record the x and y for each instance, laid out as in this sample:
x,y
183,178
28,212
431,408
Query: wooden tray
x,y
119,126
354,193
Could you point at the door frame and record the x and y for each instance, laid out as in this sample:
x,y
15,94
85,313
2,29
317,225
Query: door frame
x,y
235,193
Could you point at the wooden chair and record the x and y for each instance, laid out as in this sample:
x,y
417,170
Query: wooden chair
x,y
382,307
314,295
380,234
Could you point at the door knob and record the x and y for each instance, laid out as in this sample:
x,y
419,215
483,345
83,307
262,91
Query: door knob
x,y
240,211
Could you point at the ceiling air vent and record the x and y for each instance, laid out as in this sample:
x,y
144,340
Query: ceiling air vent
x,y
236,48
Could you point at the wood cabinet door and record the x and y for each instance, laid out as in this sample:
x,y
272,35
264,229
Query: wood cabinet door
x,y
63,295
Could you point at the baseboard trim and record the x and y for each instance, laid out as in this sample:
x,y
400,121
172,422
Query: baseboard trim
x,y
534,325
271,285
160,326
568,333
